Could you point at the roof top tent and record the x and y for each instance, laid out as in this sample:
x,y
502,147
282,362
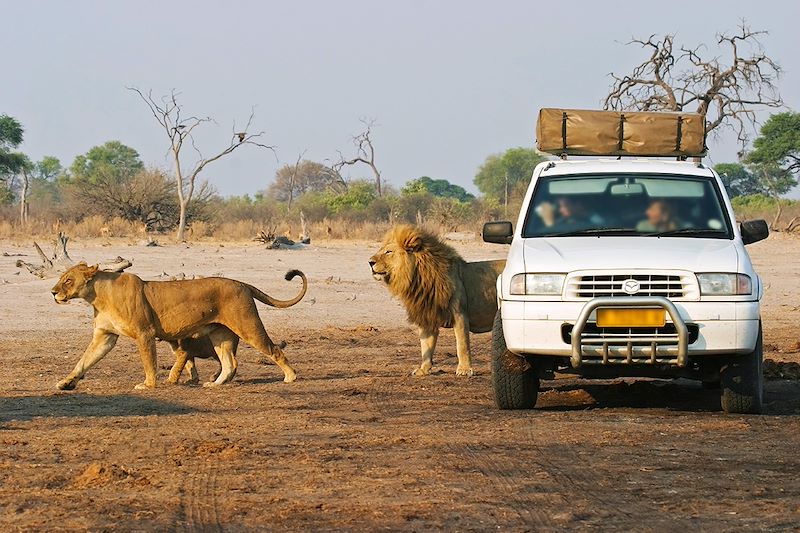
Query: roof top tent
x,y
580,132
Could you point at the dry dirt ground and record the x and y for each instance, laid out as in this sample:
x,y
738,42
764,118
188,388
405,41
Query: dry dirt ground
x,y
356,444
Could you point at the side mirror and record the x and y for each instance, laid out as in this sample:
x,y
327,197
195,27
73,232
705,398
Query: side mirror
x,y
753,231
498,232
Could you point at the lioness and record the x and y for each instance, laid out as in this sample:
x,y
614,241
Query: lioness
x,y
221,308
438,289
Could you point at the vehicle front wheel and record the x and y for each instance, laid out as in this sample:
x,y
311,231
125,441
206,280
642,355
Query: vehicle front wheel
x,y
514,378
742,381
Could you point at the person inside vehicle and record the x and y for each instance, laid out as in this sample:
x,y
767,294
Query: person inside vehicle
x,y
570,214
658,217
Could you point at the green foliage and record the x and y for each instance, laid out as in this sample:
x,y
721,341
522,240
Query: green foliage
x,y
48,169
778,143
755,179
10,162
359,195
755,202
755,206
738,180
440,188
11,133
113,162
775,180
306,177
236,208
508,172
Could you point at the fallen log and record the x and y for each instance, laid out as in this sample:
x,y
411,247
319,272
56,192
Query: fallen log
x,y
61,261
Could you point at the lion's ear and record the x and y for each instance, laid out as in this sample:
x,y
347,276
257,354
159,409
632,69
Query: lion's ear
x,y
91,271
82,263
412,242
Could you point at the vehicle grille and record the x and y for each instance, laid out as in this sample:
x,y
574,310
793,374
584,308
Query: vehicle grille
x,y
623,334
672,285
607,346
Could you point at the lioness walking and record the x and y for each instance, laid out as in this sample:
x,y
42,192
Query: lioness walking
x,y
124,304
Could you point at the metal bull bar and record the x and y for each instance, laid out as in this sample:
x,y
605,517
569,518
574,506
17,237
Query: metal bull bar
x,y
630,301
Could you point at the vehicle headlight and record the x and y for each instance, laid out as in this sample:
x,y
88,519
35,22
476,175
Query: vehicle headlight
x,y
719,284
541,284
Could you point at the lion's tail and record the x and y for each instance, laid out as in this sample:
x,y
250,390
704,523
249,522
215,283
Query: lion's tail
x,y
269,300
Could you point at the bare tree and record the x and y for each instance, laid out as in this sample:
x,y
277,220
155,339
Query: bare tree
x,y
728,94
293,178
169,114
365,153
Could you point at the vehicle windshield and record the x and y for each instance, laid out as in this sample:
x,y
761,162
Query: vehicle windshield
x,y
647,205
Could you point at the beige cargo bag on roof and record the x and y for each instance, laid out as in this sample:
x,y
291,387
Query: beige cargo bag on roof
x,y
637,133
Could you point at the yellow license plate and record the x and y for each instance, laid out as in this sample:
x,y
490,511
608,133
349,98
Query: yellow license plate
x,y
630,318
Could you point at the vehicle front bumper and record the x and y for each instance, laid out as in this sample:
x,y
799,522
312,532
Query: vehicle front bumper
x,y
724,328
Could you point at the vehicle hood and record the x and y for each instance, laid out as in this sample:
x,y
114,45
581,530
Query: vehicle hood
x,y
567,254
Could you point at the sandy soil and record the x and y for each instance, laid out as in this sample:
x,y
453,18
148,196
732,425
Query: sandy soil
x,y
356,443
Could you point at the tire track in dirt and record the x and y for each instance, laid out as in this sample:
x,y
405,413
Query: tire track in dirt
x,y
494,465
199,498
566,466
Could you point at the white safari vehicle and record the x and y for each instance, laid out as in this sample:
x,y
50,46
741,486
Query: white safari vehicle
x,y
628,267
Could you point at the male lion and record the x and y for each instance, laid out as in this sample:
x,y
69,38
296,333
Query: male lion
x,y
221,308
438,289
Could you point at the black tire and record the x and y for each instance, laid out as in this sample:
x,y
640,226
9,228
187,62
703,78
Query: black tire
x,y
514,379
742,381
711,385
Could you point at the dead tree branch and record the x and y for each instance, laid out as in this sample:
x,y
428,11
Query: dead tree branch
x,y
685,79
365,154
60,261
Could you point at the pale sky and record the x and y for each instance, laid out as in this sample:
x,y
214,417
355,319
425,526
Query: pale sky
x,y
448,82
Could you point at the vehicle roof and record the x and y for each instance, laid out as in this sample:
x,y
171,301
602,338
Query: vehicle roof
x,y
650,166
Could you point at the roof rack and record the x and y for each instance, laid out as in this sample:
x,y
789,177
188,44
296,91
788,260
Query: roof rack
x,y
564,132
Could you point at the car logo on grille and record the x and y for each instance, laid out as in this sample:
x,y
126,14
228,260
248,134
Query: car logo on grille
x,y
631,286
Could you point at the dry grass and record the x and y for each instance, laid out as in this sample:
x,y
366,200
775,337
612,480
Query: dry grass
x,y
245,230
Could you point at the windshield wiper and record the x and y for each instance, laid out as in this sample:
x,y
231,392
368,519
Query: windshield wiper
x,y
687,231
594,231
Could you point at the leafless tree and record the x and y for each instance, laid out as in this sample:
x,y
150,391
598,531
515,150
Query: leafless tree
x,y
179,128
728,92
365,153
293,178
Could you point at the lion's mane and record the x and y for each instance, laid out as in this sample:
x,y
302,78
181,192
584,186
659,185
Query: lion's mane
x,y
422,275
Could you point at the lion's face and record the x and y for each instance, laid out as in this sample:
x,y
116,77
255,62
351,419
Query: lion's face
x,y
73,283
396,254
385,260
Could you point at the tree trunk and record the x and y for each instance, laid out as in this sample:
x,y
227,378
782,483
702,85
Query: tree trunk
x,y
377,174
23,202
180,236
774,226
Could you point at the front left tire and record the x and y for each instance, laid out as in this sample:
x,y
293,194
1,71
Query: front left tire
x,y
514,379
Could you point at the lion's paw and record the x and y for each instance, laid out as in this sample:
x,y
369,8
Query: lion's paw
x,y
210,384
421,371
144,386
465,371
67,384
